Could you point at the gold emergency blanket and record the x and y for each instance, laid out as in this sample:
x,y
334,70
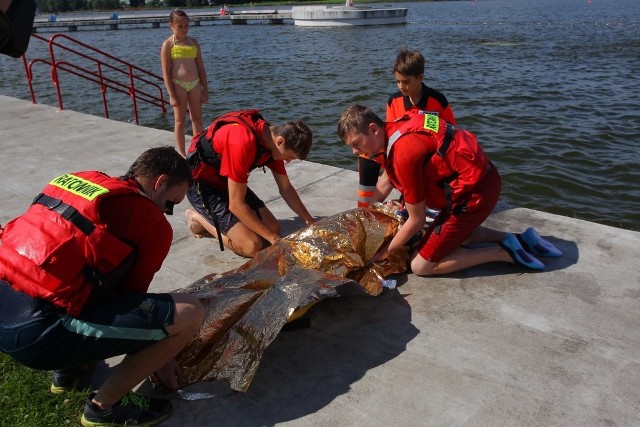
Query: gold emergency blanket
x,y
248,306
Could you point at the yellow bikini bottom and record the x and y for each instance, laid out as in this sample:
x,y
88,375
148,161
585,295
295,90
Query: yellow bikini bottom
x,y
188,86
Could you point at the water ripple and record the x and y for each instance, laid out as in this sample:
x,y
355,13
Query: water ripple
x,y
550,88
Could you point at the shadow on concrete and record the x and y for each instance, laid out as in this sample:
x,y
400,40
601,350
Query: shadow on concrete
x,y
570,257
302,371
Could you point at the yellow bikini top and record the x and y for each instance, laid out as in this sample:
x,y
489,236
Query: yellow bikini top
x,y
183,51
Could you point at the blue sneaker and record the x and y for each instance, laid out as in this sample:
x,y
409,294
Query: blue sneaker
x,y
519,255
536,245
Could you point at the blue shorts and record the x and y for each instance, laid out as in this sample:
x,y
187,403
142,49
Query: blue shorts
x,y
39,335
208,202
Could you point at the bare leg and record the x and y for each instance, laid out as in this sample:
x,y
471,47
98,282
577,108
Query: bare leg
x,y
198,226
485,235
243,241
240,239
136,367
180,117
459,259
195,109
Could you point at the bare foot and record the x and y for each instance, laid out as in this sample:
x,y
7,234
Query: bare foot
x,y
197,230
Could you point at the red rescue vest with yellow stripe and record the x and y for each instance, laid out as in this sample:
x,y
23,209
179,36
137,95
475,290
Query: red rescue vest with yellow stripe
x,y
455,165
59,249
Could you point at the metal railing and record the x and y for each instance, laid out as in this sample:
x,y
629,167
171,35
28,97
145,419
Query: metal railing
x,y
133,76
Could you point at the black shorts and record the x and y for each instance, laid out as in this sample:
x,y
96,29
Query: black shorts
x,y
39,335
218,205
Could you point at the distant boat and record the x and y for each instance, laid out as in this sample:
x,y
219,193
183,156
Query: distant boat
x,y
347,15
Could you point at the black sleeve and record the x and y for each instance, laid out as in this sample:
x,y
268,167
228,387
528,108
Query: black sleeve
x,y
369,171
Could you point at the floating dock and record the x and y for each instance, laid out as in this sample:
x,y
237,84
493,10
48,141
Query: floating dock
x,y
117,21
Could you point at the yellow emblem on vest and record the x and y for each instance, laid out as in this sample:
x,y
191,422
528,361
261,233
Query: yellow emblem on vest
x,y
79,186
431,122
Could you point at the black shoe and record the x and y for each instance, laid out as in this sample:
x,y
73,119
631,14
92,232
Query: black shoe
x,y
132,410
66,380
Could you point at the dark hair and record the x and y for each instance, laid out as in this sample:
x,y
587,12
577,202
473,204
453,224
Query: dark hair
x,y
409,62
297,137
356,120
177,12
161,160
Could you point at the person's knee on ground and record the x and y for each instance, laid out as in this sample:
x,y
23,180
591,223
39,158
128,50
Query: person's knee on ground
x,y
421,267
187,320
247,246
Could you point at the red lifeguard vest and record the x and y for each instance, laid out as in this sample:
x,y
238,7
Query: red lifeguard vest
x,y
454,167
202,158
59,249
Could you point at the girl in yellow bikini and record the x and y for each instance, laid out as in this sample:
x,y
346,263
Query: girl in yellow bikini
x,y
184,76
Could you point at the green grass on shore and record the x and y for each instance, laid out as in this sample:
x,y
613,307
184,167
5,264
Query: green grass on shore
x,y
25,399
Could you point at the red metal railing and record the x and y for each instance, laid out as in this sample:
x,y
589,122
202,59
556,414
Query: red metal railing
x,y
134,75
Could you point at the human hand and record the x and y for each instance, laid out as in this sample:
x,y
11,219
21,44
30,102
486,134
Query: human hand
x,y
205,95
171,375
173,101
382,254
274,240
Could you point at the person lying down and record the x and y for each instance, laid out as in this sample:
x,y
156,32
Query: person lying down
x,y
247,307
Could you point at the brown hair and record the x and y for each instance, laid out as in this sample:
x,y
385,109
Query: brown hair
x,y
177,12
356,120
297,137
161,160
409,62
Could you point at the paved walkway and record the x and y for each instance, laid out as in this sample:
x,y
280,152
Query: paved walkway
x,y
494,345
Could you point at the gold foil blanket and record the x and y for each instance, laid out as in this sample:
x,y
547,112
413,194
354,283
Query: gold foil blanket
x,y
247,307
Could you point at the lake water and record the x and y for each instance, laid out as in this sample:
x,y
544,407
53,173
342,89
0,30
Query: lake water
x,y
551,88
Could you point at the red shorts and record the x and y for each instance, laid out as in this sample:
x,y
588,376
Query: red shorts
x,y
455,229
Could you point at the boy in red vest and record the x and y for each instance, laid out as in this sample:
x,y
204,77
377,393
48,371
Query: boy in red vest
x,y
222,156
412,97
431,162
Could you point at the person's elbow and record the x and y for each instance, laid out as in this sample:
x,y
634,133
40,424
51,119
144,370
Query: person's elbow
x,y
236,206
